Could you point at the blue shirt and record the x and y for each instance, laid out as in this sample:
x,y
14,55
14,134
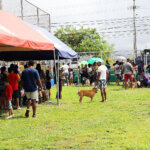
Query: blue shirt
x,y
29,77
140,69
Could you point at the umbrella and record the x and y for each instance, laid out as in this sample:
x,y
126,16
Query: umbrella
x,y
94,59
83,63
120,58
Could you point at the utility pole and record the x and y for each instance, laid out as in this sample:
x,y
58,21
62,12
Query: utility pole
x,y
134,30
0,4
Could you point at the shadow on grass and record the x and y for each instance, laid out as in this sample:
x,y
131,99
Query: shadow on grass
x,y
146,114
13,118
117,89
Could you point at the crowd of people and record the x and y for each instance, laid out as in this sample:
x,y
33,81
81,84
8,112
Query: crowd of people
x,y
89,73
32,86
26,87
134,72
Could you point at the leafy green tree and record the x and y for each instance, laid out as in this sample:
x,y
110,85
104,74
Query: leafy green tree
x,y
84,40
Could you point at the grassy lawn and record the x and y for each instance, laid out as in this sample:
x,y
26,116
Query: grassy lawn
x,y
121,123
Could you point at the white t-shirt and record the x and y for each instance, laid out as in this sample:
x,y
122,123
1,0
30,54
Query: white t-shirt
x,y
89,70
117,69
65,67
102,69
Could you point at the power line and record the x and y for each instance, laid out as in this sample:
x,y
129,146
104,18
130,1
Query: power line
x,y
103,21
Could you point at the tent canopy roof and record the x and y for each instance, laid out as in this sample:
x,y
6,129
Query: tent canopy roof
x,y
15,35
62,50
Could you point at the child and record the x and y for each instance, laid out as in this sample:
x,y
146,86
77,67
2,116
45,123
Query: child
x,y
48,84
71,76
8,93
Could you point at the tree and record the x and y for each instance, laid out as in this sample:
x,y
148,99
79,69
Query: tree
x,y
84,40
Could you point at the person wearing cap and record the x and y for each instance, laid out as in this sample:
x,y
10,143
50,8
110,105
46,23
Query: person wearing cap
x,y
102,78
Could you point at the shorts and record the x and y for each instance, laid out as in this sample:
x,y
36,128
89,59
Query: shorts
x,y
66,75
118,76
128,76
16,94
71,77
140,77
32,95
9,104
48,85
102,84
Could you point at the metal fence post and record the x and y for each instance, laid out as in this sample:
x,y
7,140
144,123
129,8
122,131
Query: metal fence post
x,y
22,14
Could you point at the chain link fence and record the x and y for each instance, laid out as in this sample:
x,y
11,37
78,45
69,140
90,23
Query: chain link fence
x,y
28,12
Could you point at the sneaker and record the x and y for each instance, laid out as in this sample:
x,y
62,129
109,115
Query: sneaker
x,y
9,117
27,113
18,108
34,116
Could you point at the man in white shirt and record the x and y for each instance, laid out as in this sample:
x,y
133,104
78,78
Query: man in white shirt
x,y
102,78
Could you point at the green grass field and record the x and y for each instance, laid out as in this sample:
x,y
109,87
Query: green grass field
x,y
121,123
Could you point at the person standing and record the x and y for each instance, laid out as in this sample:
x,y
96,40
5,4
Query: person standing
x,y
81,73
61,78
14,80
29,79
90,73
8,93
148,69
71,76
43,81
48,84
3,76
128,72
117,71
108,67
66,71
134,67
102,78
140,71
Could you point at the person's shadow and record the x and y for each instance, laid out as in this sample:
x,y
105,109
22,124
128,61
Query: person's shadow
x,y
15,117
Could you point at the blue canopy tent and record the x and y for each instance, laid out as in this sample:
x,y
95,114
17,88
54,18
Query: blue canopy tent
x,y
61,49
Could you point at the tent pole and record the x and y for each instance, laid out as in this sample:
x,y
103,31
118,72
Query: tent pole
x,y
55,73
22,12
58,84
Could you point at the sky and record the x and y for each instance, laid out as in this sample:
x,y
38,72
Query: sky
x,y
114,15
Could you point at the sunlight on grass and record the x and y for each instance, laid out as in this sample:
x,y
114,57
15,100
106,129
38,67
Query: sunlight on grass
x,y
121,123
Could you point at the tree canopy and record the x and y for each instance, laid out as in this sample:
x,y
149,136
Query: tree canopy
x,y
84,40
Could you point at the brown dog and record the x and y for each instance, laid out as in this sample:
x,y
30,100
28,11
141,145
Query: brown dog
x,y
135,84
87,93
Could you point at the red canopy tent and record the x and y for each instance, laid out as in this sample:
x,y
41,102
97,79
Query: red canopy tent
x,y
18,41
